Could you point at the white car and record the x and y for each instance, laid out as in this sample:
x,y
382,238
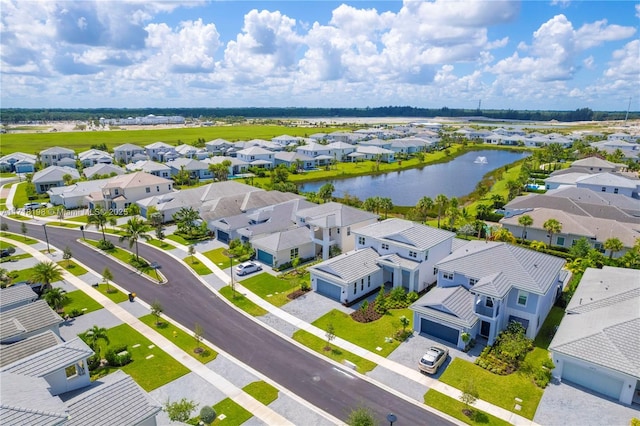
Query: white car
x,y
247,268
433,359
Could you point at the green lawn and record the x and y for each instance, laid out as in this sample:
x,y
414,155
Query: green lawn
x,y
149,372
72,267
235,415
20,197
82,219
5,244
17,237
273,290
337,354
217,257
242,302
197,266
65,225
262,391
18,217
178,239
161,244
184,341
367,335
7,174
79,300
498,390
454,407
115,295
549,327
22,275
123,255
15,257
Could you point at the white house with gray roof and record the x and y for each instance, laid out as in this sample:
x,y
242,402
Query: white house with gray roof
x,y
18,162
161,151
597,343
51,177
151,167
505,283
92,157
610,182
281,247
196,169
27,320
108,170
16,295
128,153
257,157
52,156
74,195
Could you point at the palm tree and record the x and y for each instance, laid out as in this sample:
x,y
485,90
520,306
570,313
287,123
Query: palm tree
x,y
386,204
503,234
326,192
93,335
424,205
100,218
613,245
525,220
106,277
185,218
55,297
46,273
441,202
134,229
372,204
552,226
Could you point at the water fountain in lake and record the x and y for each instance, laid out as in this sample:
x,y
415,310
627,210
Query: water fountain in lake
x,y
481,160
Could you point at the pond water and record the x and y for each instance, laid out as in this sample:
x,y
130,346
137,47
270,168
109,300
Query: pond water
x,y
456,178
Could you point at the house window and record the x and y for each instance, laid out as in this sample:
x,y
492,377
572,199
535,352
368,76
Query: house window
x,y
488,302
169,187
522,298
472,281
369,281
615,190
361,240
294,253
116,192
362,284
447,275
355,288
560,241
385,246
604,189
338,231
435,271
348,231
147,189
413,254
157,189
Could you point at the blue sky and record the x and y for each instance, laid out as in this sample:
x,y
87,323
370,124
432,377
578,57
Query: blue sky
x,y
554,54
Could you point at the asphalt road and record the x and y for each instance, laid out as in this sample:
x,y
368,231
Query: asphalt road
x,y
185,299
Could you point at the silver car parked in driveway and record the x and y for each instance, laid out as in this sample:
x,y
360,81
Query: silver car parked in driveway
x,y
433,359
247,268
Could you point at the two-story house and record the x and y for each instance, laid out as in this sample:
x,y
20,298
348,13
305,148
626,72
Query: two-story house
x,y
151,167
160,151
129,153
257,157
340,150
285,140
123,190
610,182
190,151
92,157
53,156
483,286
218,146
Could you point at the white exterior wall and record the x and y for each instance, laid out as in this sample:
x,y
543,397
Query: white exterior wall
x,y
362,286
627,192
59,383
283,256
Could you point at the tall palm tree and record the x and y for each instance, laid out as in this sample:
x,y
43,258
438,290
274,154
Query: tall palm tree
x,y
100,218
424,205
525,220
372,204
613,245
55,297
186,218
92,336
441,202
552,226
386,204
46,273
134,229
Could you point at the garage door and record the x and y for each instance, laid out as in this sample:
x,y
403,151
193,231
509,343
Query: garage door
x,y
325,288
223,236
440,331
592,379
265,257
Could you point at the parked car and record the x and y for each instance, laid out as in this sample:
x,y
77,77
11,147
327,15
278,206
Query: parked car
x,y
5,253
32,206
433,359
247,268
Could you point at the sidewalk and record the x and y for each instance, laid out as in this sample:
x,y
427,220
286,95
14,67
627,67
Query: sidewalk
x,y
262,412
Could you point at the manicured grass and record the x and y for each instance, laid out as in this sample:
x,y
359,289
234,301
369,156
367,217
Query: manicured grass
x,y
178,239
22,275
123,255
183,340
549,327
82,219
20,238
72,267
270,288
149,373
217,257
161,244
262,391
15,257
367,335
18,217
115,295
20,196
498,390
65,225
7,174
337,354
80,301
235,415
454,407
5,244
197,266
242,302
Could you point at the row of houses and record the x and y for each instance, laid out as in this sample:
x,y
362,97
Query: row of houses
x,y
46,380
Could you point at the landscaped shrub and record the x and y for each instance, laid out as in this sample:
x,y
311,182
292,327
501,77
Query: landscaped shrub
x,y
207,415
412,296
138,262
509,349
118,356
105,245
75,313
93,362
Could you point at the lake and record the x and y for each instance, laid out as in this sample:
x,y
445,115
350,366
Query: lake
x,y
456,178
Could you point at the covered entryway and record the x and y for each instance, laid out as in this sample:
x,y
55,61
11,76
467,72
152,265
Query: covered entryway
x,y
265,257
328,289
592,379
440,331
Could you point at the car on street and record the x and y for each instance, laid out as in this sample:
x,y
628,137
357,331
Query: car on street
x,y
248,268
433,359
6,252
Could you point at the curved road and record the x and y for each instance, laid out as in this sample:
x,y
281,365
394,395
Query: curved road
x,y
186,300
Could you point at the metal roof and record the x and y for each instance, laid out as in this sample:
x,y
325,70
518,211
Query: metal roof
x,y
34,316
351,266
10,353
406,233
450,304
16,294
27,401
51,359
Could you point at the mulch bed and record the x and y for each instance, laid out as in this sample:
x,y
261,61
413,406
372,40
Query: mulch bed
x,y
295,294
366,316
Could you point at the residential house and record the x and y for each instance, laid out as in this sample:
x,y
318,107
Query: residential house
x,y
596,344
314,150
190,151
295,159
340,150
281,247
119,192
285,140
237,167
52,156
100,170
197,169
619,136
610,182
94,156
560,180
379,143
257,157
151,167
74,195
332,224
15,296
18,162
24,321
149,119
51,177
594,165
160,151
479,296
347,137
129,153
218,146
376,153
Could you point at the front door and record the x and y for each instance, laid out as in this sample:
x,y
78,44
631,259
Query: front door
x,y
485,328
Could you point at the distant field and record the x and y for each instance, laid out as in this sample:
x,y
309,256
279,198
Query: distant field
x,y
80,141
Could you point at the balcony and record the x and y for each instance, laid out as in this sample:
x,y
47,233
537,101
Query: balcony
x,y
486,311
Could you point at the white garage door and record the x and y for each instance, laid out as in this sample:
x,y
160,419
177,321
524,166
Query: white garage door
x,y
592,379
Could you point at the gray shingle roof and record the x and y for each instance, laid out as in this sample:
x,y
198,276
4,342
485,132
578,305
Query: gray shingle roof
x,y
50,359
13,352
112,400
32,317
524,269
54,174
351,266
602,323
496,285
450,304
16,294
19,397
57,150
405,232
